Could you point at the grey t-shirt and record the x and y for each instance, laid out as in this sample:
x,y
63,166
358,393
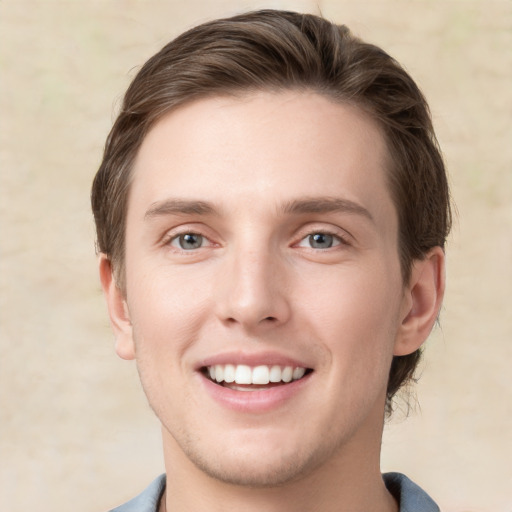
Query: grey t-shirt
x,y
409,496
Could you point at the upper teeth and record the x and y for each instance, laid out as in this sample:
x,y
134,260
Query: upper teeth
x,y
243,374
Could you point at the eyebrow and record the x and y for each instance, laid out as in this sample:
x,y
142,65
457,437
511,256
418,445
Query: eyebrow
x,y
296,206
326,205
179,207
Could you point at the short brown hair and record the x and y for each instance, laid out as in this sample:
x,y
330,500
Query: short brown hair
x,y
280,50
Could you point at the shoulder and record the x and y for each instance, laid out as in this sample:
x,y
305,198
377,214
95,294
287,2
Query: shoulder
x,y
410,496
146,501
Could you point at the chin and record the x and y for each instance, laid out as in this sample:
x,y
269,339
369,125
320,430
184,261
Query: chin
x,y
255,466
256,474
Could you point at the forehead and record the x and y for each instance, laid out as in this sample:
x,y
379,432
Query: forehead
x,y
261,148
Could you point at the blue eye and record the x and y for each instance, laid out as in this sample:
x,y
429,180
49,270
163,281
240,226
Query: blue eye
x,y
188,241
320,240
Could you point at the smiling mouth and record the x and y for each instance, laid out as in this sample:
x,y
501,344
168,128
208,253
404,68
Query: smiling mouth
x,y
246,378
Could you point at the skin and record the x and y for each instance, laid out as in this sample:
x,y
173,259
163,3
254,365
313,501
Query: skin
x,y
266,165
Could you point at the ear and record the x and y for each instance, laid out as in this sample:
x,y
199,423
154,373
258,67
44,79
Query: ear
x,y
422,301
117,310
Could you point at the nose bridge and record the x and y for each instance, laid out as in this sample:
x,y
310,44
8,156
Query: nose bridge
x,y
253,291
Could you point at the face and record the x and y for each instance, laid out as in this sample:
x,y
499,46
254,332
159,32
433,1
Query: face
x,y
264,298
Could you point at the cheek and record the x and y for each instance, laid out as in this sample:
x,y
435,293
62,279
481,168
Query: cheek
x,y
355,314
357,295
167,312
167,319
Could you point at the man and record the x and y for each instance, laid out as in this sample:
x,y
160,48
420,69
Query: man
x,y
271,213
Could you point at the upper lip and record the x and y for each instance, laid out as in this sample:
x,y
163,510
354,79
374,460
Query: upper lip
x,y
268,358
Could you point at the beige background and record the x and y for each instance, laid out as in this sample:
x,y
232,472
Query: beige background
x,y
76,433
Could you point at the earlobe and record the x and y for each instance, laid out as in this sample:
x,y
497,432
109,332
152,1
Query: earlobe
x,y
117,310
422,301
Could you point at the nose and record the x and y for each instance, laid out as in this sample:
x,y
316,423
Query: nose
x,y
252,290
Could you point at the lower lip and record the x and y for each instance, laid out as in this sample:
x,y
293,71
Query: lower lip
x,y
261,400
